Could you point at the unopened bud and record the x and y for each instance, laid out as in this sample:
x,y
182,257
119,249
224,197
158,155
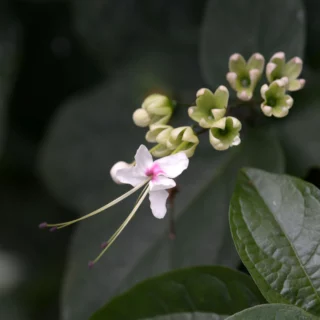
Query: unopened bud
x,y
141,118
158,133
155,109
183,139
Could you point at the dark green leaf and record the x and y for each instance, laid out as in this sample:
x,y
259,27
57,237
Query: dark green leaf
x,y
275,224
273,311
205,289
189,316
246,27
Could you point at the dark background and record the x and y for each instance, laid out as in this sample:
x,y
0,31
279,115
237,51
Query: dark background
x,y
53,62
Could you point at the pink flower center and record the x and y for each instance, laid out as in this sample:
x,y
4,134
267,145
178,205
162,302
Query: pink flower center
x,y
154,171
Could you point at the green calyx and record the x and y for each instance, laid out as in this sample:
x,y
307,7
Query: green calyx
x,y
173,140
225,133
278,68
276,102
210,106
243,76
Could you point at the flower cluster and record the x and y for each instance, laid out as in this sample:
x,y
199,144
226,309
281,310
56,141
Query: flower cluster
x,y
281,75
155,112
211,112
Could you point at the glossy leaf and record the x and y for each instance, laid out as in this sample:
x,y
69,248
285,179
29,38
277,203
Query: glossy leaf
x,y
189,316
246,27
275,224
203,289
273,311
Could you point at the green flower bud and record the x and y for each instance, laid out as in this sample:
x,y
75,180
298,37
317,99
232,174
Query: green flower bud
x,y
225,133
160,150
276,102
210,106
244,76
277,68
155,109
183,139
158,133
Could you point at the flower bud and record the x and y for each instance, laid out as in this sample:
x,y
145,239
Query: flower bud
x,y
183,139
277,68
276,102
117,166
155,109
210,106
160,151
225,133
243,76
158,130
157,104
141,118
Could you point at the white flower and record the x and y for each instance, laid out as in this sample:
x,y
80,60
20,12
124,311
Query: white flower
x,y
157,173
156,176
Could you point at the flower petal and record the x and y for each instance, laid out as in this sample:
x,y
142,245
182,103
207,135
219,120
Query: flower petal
x,y
161,183
130,176
143,159
173,165
158,201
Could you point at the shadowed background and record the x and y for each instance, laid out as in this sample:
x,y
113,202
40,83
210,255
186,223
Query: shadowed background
x,y
71,74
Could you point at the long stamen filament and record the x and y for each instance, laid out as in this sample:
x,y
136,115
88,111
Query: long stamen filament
x,y
142,192
123,225
112,203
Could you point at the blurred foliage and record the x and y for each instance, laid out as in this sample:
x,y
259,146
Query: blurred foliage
x,y
71,74
213,289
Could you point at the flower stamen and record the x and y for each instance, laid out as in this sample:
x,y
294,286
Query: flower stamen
x,y
106,245
54,227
